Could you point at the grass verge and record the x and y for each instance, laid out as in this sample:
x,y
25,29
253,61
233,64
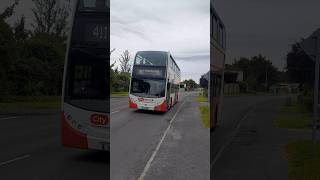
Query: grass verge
x,y
303,160
293,116
120,94
204,110
39,102
205,116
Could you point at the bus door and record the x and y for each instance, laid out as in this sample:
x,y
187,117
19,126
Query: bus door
x,y
168,94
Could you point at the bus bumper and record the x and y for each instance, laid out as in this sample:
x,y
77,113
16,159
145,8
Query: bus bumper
x,y
74,139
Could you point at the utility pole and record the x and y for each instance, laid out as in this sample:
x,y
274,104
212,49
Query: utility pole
x,y
266,78
316,93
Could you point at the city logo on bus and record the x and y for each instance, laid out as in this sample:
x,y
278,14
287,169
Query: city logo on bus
x,y
99,120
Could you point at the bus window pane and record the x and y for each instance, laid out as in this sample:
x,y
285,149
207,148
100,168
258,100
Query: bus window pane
x,y
221,34
87,83
215,27
89,3
94,5
148,87
151,58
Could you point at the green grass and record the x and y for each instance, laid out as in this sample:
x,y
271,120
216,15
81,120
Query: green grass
x,y
28,102
202,99
293,117
120,94
303,160
205,116
204,110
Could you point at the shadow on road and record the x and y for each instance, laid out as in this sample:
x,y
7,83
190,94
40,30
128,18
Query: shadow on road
x,y
101,157
149,112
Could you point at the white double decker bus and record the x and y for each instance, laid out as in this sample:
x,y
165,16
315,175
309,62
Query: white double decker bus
x,y
155,80
85,94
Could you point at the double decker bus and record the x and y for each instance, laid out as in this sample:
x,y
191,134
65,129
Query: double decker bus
x,y
85,94
217,61
155,80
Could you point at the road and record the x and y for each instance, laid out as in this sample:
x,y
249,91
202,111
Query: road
x,y
172,145
144,144
246,145
30,149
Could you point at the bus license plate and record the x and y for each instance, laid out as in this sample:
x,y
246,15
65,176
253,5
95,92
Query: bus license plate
x,y
144,108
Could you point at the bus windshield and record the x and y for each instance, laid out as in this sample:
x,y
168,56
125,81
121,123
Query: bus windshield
x,y
150,88
87,83
151,58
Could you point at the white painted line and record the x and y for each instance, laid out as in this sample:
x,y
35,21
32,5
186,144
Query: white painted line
x,y
147,167
6,118
230,139
15,159
115,112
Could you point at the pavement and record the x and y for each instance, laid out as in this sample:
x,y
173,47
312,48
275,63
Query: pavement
x,y
146,145
246,145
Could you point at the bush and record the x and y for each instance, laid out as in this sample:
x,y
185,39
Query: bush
x,y
306,101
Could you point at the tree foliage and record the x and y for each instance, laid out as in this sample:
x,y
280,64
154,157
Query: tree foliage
x,y
51,17
120,80
191,84
124,60
258,71
31,64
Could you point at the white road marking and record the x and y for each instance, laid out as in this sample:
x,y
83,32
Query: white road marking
x,y
6,118
115,112
220,152
15,159
147,167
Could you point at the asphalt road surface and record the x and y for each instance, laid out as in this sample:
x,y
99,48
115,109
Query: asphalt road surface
x,y
246,145
146,145
30,149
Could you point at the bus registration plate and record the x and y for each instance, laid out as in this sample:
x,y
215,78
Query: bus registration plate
x,y
145,108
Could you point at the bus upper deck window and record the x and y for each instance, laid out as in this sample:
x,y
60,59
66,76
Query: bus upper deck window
x,y
89,3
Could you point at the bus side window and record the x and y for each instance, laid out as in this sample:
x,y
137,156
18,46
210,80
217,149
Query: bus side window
x,y
221,35
215,27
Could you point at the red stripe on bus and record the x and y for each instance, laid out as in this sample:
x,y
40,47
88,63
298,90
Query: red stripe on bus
x,y
71,137
162,107
132,104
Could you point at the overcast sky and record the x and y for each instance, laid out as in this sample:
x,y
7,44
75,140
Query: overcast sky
x,y
267,26
179,26
182,27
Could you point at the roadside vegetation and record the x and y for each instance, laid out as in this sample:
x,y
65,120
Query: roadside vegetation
x,y
126,93
204,109
293,115
303,160
32,60
37,102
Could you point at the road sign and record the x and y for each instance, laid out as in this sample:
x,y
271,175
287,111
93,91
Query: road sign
x,y
310,44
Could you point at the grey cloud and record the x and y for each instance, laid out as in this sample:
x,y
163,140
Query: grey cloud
x,y
197,58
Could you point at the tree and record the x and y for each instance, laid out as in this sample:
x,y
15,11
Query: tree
x,y
8,52
125,65
191,84
9,10
51,17
258,71
20,33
